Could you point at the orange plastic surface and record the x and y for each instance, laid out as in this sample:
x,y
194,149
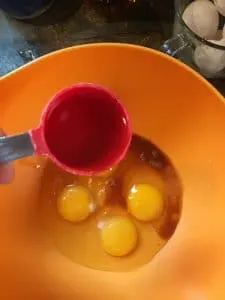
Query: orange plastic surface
x,y
173,107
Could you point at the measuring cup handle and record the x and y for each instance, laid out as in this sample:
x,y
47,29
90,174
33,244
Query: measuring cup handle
x,y
15,147
174,45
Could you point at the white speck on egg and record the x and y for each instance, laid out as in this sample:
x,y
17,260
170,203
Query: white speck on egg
x,y
101,224
202,17
210,60
92,207
220,6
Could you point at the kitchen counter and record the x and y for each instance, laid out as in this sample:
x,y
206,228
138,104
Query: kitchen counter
x,y
67,24
72,22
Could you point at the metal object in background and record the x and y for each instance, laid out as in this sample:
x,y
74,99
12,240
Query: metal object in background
x,y
24,9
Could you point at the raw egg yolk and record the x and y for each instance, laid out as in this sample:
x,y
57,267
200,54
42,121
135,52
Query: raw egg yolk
x,y
75,203
119,236
145,202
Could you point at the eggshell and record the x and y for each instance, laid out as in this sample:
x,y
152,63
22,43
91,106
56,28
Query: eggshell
x,y
210,60
220,6
202,17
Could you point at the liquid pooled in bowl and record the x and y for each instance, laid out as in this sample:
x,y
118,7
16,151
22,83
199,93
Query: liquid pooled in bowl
x,y
117,220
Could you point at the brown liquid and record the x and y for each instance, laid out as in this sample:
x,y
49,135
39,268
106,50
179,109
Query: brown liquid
x,y
81,242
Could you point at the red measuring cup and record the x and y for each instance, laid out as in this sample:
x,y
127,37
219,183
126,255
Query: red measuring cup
x,y
84,129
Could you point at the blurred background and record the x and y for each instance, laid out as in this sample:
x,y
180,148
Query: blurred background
x,y
31,28
25,35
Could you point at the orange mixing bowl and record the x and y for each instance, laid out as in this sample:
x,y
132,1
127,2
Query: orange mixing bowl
x,y
173,107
